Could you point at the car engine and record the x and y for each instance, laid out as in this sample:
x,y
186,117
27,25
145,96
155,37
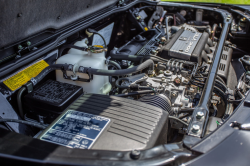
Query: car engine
x,y
134,80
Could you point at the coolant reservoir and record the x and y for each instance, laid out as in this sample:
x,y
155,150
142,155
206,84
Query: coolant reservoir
x,y
99,84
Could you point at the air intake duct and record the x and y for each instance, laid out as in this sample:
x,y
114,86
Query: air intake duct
x,y
160,101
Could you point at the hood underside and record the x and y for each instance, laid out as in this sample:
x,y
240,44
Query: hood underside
x,y
21,19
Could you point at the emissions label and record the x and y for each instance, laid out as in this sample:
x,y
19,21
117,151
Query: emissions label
x,y
76,130
25,75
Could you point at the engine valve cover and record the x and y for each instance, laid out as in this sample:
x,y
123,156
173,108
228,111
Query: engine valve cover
x,y
185,45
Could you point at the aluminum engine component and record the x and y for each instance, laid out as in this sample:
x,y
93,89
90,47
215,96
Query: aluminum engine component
x,y
176,94
185,45
188,44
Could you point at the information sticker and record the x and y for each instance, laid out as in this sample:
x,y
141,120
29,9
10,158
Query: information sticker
x,y
25,75
76,130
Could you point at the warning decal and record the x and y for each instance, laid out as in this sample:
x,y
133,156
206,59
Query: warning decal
x,y
25,75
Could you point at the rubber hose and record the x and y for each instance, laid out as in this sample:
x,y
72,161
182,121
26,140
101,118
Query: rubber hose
x,y
143,7
105,45
23,122
70,46
47,70
135,69
119,56
19,101
186,110
127,87
172,117
117,83
115,64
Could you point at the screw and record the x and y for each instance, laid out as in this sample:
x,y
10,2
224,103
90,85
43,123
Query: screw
x,y
153,51
20,47
199,115
28,43
195,128
135,154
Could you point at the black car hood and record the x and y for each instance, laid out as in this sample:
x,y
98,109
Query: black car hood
x,y
20,20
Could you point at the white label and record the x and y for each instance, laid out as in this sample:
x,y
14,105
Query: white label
x,y
106,33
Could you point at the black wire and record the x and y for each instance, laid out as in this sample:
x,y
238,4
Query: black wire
x,y
102,39
143,7
172,117
184,116
23,122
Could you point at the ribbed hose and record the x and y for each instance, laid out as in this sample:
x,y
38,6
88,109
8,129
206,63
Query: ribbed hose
x,y
160,101
135,93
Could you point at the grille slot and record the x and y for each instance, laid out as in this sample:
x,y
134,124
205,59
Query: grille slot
x,y
226,48
222,67
224,57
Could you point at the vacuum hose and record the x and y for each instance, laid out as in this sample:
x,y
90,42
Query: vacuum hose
x,y
148,63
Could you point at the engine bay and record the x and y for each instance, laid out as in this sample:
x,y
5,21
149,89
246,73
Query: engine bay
x,y
143,77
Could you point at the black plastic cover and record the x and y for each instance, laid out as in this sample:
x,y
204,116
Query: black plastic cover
x,y
133,124
19,19
52,96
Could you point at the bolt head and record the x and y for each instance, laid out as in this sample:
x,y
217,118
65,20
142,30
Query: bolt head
x,y
135,154
163,39
153,51
160,72
20,47
195,128
28,43
199,115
